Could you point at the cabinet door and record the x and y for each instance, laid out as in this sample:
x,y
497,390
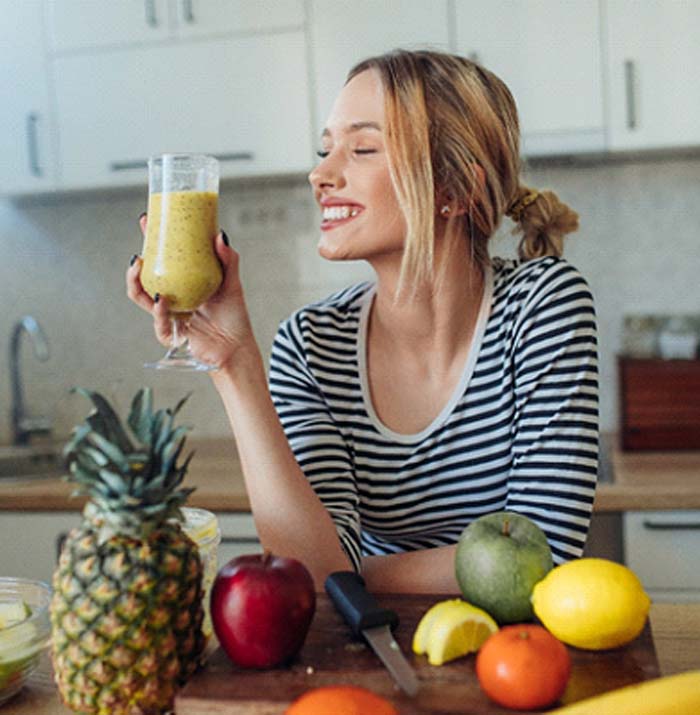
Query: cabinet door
x,y
653,54
27,162
82,24
191,18
548,53
31,542
243,100
345,31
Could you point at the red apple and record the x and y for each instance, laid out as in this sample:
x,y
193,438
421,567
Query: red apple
x,y
261,608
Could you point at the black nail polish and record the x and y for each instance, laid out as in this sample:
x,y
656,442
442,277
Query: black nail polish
x,y
156,297
142,214
225,237
132,260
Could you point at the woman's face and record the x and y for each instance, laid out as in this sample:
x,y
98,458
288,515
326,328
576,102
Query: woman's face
x,y
361,218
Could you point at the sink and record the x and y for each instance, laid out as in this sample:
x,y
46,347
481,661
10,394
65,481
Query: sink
x,y
21,464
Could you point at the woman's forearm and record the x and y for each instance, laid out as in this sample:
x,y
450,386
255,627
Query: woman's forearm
x,y
289,517
424,571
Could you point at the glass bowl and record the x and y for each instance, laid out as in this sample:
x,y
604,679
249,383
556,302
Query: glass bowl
x,y
22,643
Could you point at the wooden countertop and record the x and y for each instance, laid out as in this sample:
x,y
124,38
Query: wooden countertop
x,y
629,481
675,629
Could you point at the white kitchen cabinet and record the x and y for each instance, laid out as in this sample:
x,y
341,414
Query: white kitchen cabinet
x,y
548,53
31,542
342,32
27,160
243,99
89,24
663,549
653,53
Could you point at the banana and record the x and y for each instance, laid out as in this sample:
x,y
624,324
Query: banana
x,y
671,695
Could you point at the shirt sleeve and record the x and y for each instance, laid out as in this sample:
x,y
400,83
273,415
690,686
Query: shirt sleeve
x,y
313,435
555,430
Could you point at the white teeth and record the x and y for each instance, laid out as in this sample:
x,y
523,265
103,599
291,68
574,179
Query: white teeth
x,y
335,213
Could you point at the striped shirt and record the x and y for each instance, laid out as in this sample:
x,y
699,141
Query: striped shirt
x,y
520,432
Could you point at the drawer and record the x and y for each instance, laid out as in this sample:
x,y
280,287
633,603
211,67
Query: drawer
x,y
238,536
663,549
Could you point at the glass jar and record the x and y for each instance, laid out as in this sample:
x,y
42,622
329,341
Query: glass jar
x,y
202,527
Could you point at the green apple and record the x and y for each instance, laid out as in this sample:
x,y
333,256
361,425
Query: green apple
x,y
499,559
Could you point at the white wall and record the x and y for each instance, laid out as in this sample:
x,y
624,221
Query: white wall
x,y
63,261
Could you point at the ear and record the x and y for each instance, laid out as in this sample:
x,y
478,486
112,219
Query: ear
x,y
445,204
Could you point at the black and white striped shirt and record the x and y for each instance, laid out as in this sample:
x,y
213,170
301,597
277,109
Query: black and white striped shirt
x,y
520,432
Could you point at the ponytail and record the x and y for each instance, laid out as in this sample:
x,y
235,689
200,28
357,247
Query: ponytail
x,y
543,219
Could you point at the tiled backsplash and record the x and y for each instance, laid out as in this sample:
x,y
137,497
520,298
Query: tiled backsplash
x,y
64,260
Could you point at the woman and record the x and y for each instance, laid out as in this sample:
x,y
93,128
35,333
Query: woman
x,y
454,385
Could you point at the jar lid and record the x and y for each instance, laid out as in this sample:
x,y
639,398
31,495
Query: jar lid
x,y
200,525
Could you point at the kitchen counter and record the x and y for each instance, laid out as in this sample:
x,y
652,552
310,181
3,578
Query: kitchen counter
x,y
629,481
675,629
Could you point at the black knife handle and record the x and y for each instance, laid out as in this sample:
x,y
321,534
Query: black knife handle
x,y
355,604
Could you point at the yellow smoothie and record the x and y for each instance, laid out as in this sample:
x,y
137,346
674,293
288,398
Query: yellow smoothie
x,y
179,261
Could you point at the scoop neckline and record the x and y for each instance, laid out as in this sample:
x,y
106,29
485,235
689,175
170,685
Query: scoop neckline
x,y
460,388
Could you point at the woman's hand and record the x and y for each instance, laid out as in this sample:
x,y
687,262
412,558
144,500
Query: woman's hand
x,y
219,328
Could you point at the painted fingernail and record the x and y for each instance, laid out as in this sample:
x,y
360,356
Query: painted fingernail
x,y
132,260
156,297
141,215
225,237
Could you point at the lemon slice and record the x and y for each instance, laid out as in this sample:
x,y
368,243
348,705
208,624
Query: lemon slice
x,y
451,629
13,612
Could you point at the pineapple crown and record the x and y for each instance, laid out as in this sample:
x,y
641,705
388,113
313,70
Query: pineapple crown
x,y
133,485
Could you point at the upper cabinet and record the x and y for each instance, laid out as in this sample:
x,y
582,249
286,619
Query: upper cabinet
x,y
83,24
653,53
548,53
343,32
26,151
141,77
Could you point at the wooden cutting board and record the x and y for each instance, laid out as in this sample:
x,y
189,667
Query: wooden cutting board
x,y
331,656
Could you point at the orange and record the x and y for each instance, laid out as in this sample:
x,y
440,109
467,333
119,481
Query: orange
x,y
340,700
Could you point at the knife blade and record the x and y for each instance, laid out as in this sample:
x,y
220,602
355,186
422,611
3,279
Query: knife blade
x,y
368,620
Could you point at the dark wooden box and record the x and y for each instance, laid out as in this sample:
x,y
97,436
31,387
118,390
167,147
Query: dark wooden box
x,y
659,403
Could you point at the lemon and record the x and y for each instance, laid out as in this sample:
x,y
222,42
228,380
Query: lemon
x,y
591,603
451,629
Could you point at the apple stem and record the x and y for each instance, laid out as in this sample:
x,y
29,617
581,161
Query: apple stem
x,y
524,635
267,555
506,528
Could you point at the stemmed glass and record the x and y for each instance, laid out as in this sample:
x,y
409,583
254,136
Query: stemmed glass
x,y
179,262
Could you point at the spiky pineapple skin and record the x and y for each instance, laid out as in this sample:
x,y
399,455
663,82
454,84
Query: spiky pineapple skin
x,y
126,619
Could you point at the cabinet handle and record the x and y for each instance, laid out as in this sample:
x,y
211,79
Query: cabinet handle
x,y
240,540
670,526
143,163
33,144
630,93
149,7
188,11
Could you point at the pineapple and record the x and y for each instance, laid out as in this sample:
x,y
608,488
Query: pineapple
x,y
126,614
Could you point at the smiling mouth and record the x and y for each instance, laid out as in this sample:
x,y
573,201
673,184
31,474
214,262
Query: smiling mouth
x,y
337,215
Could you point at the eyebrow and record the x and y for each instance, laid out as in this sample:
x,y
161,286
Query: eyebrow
x,y
355,127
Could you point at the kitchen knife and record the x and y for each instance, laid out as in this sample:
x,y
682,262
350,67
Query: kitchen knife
x,y
367,619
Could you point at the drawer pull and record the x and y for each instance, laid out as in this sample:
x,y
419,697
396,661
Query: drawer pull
x,y
33,144
239,540
142,163
670,525
631,94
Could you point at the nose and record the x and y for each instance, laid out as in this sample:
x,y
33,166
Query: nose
x,y
327,174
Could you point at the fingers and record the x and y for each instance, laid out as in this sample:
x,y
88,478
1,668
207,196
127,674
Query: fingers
x,y
228,258
143,222
161,320
134,289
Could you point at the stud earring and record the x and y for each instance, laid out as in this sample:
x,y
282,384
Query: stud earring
x,y
445,210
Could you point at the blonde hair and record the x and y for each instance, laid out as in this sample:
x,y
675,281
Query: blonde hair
x,y
453,136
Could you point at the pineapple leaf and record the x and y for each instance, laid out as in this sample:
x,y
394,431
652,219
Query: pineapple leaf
x,y
179,405
141,414
79,434
111,451
105,420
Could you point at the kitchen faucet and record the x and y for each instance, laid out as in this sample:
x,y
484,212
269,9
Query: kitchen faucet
x,y
23,427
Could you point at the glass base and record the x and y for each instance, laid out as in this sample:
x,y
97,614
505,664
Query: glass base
x,y
180,358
